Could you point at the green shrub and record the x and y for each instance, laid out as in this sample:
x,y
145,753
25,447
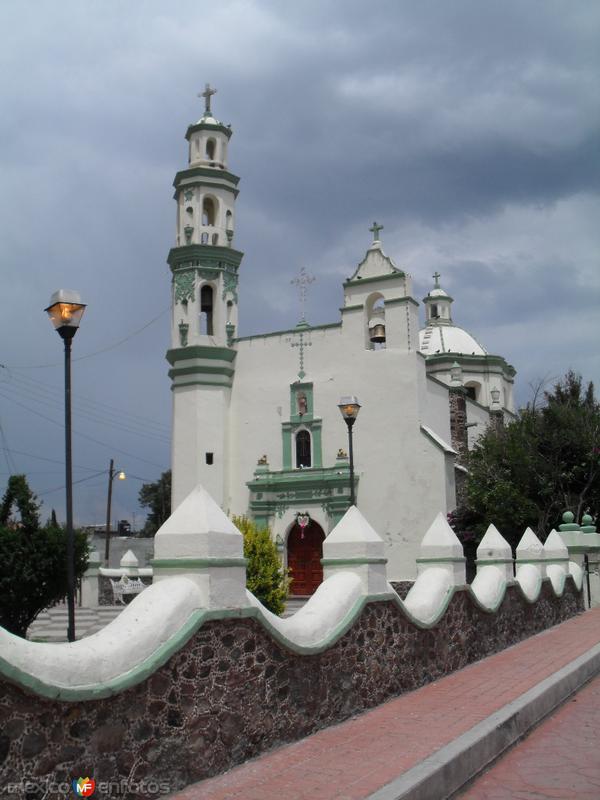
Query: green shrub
x,y
265,577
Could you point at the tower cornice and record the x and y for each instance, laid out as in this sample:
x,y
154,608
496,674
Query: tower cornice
x,y
207,126
205,172
203,255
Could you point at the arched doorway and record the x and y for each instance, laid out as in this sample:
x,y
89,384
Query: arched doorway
x,y
305,551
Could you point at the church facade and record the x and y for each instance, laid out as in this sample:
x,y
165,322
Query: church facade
x,y
256,418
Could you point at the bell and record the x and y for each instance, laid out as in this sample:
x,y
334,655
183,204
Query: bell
x,y
377,332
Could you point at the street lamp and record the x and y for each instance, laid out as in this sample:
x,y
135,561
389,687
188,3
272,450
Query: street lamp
x,y
349,408
65,312
112,474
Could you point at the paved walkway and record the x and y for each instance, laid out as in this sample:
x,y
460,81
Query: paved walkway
x,y
559,759
375,751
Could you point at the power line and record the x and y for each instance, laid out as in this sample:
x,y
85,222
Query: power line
x,y
81,480
53,460
80,399
102,350
37,396
83,435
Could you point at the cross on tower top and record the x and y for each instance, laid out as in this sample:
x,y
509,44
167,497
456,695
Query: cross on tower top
x,y
375,231
436,278
206,94
302,282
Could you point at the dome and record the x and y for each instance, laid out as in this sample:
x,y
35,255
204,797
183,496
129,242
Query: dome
x,y
438,293
435,339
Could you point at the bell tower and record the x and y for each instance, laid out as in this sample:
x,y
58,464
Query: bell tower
x,y
204,301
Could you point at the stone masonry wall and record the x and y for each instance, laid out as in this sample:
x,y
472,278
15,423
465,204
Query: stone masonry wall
x,y
232,692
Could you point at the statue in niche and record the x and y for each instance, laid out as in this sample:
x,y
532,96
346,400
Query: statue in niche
x,y
302,403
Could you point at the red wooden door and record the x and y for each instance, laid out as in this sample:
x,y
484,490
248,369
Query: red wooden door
x,y
305,551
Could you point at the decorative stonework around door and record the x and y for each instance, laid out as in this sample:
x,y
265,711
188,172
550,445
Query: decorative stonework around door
x,y
305,551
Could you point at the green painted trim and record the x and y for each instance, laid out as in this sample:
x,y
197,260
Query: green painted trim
x,y
472,360
308,389
317,446
582,548
211,184
395,301
359,281
445,560
206,126
339,562
439,299
200,351
177,371
286,435
204,256
357,307
224,384
197,563
205,172
289,330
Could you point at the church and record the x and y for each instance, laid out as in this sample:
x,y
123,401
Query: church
x,y
256,419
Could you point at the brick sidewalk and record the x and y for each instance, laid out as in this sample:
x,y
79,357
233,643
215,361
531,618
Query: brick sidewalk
x,y
351,760
559,759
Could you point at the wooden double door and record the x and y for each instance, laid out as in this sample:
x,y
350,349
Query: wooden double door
x,y
305,551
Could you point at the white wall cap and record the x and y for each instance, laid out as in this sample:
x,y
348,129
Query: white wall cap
x,y
134,636
353,537
530,546
198,528
440,540
577,573
321,615
555,547
530,579
129,559
558,575
353,527
489,585
493,545
428,593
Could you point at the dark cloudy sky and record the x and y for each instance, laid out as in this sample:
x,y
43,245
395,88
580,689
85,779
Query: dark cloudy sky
x,y
470,129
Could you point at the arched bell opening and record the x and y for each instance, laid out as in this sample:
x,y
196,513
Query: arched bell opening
x,y
376,337
211,148
206,310
304,553
209,211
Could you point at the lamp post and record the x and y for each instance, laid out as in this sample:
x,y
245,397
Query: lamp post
x,y
65,312
349,408
112,474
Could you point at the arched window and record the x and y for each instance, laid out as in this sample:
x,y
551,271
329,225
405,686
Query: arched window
x,y
229,221
206,310
303,458
473,390
204,238
208,211
434,312
210,149
215,238
190,212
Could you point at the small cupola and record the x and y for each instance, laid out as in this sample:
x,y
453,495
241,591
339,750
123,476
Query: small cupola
x,y
208,137
437,304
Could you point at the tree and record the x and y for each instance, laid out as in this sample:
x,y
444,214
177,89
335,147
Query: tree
x,y
265,576
157,497
33,560
20,495
544,462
